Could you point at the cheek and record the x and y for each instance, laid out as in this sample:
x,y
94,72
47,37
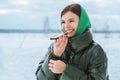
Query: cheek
x,y
63,28
76,25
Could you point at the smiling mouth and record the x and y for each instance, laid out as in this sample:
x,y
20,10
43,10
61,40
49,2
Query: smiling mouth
x,y
67,32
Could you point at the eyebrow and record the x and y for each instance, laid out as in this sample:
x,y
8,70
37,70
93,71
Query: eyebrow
x,y
68,19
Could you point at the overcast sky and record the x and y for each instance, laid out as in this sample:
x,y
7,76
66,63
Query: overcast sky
x,y
30,14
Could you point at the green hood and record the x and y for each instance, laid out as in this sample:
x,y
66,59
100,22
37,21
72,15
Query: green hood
x,y
84,23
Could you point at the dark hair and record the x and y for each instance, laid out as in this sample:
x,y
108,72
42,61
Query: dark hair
x,y
75,8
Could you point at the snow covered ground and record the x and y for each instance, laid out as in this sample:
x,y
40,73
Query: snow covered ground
x,y
21,53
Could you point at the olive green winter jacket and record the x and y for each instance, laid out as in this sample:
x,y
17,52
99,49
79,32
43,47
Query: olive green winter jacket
x,y
85,60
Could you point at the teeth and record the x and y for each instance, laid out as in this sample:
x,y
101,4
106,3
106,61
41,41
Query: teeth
x,y
71,30
68,31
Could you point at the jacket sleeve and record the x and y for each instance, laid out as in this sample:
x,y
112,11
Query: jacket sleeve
x,y
43,72
97,68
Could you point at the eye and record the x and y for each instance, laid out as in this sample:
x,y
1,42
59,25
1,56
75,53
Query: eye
x,y
62,22
71,21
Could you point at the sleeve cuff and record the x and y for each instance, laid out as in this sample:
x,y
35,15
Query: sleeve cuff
x,y
54,57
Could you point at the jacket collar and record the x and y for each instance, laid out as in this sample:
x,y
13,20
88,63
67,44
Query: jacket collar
x,y
80,42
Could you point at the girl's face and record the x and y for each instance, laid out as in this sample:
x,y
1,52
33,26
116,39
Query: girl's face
x,y
69,23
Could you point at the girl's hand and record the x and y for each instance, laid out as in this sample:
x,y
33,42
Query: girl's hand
x,y
60,45
57,66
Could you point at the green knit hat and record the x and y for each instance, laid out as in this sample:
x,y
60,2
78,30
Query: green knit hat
x,y
84,23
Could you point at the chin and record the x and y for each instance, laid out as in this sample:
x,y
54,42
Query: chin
x,y
69,35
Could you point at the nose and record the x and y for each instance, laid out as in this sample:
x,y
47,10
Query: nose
x,y
67,25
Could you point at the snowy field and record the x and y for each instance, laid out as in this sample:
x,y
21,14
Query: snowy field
x,y
21,53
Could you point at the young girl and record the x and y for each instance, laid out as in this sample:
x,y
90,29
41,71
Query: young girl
x,y
75,55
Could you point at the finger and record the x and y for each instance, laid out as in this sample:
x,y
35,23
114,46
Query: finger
x,y
51,61
50,65
55,41
51,69
60,39
64,41
64,38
